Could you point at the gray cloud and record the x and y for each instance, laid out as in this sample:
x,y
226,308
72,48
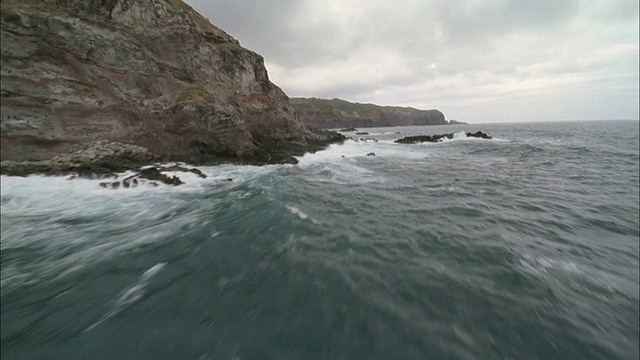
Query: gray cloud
x,y
475,60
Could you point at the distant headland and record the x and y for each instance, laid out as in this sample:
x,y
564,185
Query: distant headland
x,y
337,113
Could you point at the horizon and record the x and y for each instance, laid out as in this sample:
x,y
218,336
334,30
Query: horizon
x,y
474,61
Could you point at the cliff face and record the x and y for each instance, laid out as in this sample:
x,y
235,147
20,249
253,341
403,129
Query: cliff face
x,y
336,113
152,73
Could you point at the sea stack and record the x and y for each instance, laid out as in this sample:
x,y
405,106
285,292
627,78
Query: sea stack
x,y
148,73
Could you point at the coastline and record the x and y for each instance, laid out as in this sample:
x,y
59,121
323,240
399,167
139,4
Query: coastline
x,y
103,158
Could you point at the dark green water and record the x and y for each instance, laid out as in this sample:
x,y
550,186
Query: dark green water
x,y
522,247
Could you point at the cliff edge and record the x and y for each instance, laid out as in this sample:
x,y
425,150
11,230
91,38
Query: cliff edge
x,y
148,73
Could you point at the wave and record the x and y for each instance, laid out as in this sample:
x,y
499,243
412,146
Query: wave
x,y
303,216
129,296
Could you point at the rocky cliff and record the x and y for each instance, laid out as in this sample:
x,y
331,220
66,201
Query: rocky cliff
x,y
337,113
149,73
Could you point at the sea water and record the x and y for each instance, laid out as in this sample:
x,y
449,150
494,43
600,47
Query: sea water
x,y
520,247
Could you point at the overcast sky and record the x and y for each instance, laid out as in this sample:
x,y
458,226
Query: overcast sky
x,y
477,61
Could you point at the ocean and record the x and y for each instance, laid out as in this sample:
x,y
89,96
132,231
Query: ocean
x,y
520,247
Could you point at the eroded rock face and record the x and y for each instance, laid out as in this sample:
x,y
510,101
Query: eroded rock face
x,y
150,73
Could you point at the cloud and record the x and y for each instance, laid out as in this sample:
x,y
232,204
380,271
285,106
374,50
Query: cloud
x,y
475,60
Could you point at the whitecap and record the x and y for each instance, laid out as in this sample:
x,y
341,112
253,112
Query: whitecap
x,y
303,216
129,296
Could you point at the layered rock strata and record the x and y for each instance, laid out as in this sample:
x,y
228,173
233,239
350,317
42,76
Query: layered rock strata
x,y
154,74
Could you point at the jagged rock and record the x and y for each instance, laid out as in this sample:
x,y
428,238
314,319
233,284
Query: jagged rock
x,y
371,154
437,138
152,76
479,134
155,175
349,129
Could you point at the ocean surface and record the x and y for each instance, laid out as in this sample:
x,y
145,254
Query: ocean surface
x,y
520,247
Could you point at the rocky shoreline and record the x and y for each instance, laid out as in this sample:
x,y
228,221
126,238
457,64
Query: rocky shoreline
x,y
103,158
107,160
95,88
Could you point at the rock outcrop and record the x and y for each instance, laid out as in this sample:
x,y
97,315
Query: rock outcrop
x,y
337,113
152,175
148,73
437,138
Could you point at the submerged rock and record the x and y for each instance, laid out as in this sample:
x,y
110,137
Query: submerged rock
x,y
437,138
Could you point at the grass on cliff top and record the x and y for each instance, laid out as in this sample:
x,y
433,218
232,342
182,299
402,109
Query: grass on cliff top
x,y
343,105
335,103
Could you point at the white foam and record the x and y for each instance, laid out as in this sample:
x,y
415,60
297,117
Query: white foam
x,y
52,206
458,137
542,264
130,295
294,210
303,216
359,149
462,136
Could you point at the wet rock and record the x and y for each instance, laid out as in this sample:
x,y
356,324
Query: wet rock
x,y
362,133
349,129
371,154
437,138
479,134
155,175
198,172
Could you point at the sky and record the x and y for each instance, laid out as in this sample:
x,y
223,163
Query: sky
x,y
476,61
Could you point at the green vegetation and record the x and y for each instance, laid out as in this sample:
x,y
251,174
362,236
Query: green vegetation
x,y
334,113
